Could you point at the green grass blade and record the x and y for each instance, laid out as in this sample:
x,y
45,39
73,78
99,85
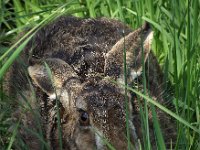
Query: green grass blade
x,y
177,117
49,73
158,132
12,58
13,136
126,98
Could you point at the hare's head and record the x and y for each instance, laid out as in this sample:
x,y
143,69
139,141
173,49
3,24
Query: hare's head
x,y
94,110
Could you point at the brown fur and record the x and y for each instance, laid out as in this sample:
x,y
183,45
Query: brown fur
x,y
84,55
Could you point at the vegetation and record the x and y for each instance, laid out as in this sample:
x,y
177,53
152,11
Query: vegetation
x,y
176,25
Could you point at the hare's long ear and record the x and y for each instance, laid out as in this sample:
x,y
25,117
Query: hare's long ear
x,y
133,43
52,82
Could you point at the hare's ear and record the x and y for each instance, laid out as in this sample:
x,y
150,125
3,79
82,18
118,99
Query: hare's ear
x,y
137,45
51,81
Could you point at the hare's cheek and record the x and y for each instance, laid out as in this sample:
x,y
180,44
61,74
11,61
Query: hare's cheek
x,y
99,141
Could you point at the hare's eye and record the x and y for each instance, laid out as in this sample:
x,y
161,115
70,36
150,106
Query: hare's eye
x,y
84,118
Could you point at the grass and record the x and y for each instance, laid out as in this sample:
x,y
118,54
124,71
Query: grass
x,y
176,44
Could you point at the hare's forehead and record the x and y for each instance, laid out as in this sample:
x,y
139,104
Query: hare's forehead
x,y
100,99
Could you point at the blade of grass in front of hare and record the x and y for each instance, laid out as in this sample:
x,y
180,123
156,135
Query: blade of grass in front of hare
x,y
49,72
13,136
146,113
126,97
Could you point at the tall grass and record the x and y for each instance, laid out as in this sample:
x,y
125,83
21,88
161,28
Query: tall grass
x,y
176,44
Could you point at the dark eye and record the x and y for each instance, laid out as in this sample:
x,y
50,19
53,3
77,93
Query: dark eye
x,y
84,118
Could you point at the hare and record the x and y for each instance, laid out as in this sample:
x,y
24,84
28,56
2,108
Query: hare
x,y
72,62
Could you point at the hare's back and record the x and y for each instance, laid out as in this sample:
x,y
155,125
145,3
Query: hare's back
x,y
82,43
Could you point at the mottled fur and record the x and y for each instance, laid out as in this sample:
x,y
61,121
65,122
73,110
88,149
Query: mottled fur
x,y
84,56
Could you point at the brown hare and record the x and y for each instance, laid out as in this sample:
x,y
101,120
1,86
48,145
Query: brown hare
x,y
71,63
